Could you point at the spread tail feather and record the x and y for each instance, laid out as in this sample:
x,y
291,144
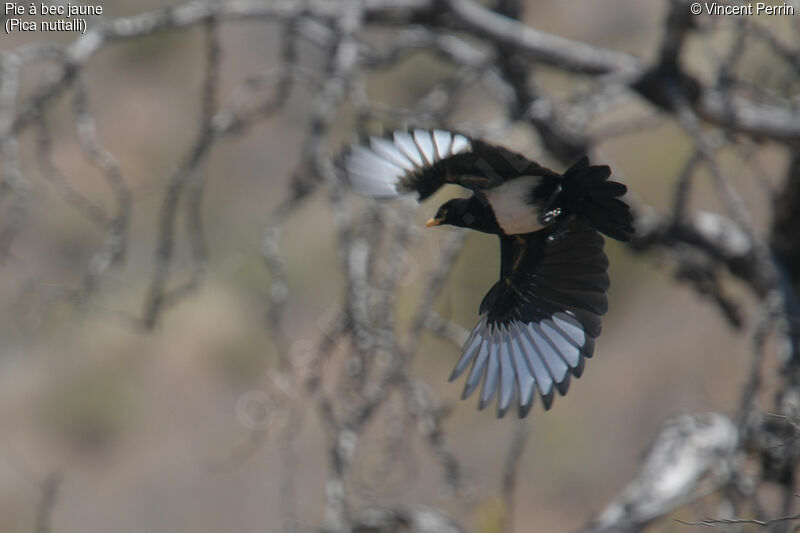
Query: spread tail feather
x,y
593,197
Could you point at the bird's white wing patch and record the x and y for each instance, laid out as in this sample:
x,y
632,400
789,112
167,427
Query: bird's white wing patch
x,y
443,140
378,169
509,202
492,378
526,383
371,174
425,144
507,373
405,142
514,359
385,148
460,144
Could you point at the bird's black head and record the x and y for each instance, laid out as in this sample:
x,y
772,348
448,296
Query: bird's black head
x,y
466,213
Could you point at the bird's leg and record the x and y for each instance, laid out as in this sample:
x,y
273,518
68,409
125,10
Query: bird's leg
x,y
549,214
560,228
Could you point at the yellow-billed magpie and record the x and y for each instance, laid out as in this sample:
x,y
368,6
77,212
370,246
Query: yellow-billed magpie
x,y
538,323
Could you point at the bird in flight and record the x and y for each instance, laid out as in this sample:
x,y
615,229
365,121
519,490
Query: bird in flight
x,y
538,323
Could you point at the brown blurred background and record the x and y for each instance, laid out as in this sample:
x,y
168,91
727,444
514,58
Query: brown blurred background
x,y
142,427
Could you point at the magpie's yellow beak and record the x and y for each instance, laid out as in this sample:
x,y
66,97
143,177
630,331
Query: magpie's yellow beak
x,y
434,222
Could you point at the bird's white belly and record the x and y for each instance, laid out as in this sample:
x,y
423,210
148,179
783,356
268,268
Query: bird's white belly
x,y
509,202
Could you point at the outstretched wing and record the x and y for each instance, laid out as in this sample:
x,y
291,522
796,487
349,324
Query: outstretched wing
x,y
422,161
539,322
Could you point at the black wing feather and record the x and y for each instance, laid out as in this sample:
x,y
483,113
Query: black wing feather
x,y
540,320
422,161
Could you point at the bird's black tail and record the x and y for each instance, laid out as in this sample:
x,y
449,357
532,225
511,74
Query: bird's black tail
x,y
591,196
